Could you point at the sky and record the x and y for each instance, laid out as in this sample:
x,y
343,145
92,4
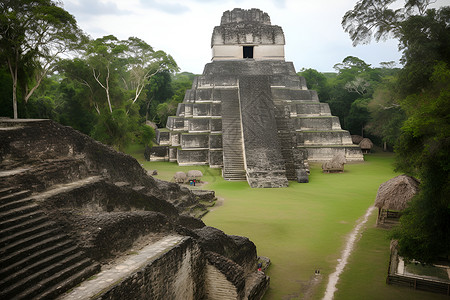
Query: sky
x,y
183,28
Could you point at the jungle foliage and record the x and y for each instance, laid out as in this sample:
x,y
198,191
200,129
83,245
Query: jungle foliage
x,y
420,91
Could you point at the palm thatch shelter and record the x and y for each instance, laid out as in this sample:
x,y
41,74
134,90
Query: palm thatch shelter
x,y
335,165
356,139
365,145
194,175
179,177
393,197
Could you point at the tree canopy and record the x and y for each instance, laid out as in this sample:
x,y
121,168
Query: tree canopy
x,y
33,35
421,93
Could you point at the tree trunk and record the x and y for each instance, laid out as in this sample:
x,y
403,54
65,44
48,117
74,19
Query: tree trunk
x,y
15,98
14,72
146,111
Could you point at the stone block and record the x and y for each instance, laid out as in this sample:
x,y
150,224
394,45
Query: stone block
x,y
313,123
331,137
159,153
323,153
201,110
199,125
203,94
194,141
215,158
175,138
294,94
175,123
162,137
215,141
302,175
216,110
216,124
172,154
192,157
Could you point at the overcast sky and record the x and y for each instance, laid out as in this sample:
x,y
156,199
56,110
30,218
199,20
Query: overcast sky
x,y
183,28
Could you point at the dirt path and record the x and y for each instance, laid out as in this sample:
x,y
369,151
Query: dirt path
x,y
334,277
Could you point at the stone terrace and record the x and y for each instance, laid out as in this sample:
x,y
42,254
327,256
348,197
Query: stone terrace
x,y
71,207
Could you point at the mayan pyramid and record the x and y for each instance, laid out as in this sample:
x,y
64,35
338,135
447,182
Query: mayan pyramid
x,y
249,113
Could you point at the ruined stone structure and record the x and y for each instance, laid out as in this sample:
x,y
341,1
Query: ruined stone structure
x,y
250,113
73,209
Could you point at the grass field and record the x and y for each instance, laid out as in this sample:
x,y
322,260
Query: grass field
x,y
304,227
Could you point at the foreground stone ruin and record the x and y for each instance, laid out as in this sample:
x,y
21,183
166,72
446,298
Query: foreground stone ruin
x,y
73,209
249,113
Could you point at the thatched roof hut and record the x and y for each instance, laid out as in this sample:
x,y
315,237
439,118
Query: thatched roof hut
x,y
394,195
356,139
180,177
365,145
194,174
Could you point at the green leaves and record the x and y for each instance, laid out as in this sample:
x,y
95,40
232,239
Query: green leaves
x,y
422,151
33,35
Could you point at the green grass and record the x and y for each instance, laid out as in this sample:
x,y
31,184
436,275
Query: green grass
x,y
365,274
303,228
426,270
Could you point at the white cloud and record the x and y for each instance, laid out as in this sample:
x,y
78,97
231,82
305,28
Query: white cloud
x,y
183,28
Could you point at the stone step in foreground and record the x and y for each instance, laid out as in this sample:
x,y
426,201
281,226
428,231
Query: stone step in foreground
x,y
107,279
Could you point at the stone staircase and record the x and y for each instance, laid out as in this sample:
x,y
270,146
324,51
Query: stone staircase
x,y
39,261
233,158
286,136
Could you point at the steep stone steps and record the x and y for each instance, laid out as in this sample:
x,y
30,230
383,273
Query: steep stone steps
x,y
24,224
18,211
9,191
10,222
29,240
44,175
107,279
37,266
33,255
25,233
15,200
286,136
48,278
68,282
38,260
233,159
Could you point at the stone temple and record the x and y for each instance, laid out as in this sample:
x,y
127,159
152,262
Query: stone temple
x,y
249,113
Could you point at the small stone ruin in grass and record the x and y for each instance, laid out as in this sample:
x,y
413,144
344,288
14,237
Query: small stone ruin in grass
x,y
335,165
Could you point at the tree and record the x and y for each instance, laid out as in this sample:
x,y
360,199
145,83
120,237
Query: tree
x,y
33,35
126,66
424,85
386,114
355,81
425,40
316,81
374,18
116,75
422,151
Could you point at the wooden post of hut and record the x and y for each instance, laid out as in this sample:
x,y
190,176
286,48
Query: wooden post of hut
x,y
393,197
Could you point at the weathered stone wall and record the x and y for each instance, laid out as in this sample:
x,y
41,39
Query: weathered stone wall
x,y
217,286
104,203
192,157
322,154
264,163
176,274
